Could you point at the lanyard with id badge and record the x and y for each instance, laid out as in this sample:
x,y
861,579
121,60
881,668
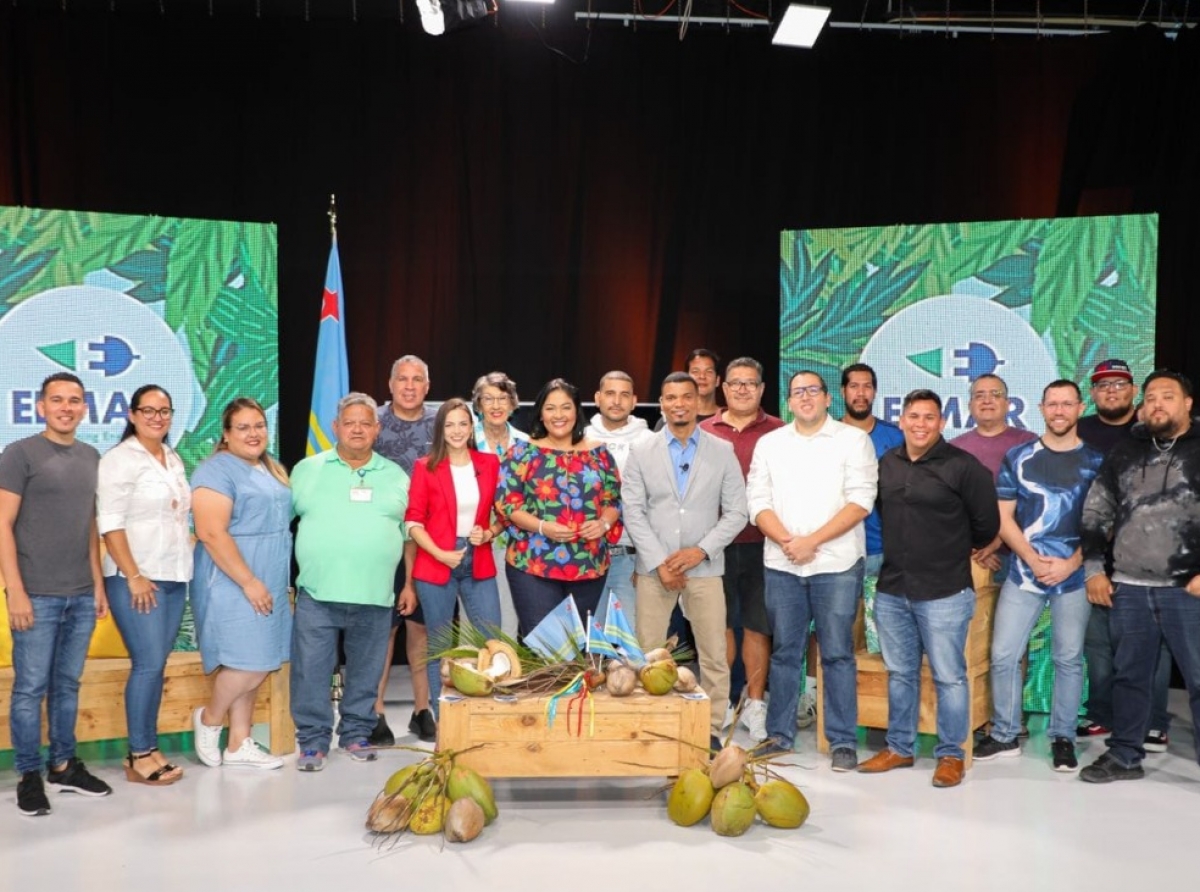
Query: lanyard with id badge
x,y
359,491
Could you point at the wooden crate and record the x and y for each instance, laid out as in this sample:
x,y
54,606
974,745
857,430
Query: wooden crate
x,y
185,686
517,742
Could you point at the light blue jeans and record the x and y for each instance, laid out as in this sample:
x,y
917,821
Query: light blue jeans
x,y
831,601
47,662
480,599
620,581
149,637
938,629
1017,613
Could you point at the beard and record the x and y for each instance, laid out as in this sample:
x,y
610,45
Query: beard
x,y
1165,429
858,414
1113,413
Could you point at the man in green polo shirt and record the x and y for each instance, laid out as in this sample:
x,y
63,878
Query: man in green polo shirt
x,y
350,502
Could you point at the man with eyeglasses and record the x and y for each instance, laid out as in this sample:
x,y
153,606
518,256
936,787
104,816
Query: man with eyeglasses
x,y
350,504
811,484
1115,395
1146,502
615,425
1041,490
744,423
938,506
405,434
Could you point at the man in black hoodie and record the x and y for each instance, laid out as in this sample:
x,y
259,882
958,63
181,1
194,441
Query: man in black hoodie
x,y
1147,500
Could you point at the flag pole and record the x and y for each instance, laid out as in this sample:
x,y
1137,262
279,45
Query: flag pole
x,y
332,212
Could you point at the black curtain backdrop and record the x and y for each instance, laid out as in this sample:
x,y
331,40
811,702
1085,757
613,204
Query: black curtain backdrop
x,y
505,206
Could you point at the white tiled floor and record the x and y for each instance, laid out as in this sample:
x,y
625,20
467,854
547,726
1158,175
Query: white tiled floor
x,y
1014,823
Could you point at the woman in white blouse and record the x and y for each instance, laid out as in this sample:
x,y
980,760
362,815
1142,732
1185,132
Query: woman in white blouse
x,y
143,502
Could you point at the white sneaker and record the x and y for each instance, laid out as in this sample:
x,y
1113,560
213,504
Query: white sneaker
x,y
207,740
754,719
251,755
806,713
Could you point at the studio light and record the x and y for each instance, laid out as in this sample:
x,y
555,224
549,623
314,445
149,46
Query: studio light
x,y
543,2
800,25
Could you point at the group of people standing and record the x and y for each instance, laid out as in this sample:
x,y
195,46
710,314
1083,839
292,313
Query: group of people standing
x,y
758,529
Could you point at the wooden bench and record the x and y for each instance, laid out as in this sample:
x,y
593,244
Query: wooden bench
x,y
514,739
102,701
873,674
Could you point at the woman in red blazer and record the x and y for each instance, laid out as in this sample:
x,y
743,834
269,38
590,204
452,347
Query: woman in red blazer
x,y
449,517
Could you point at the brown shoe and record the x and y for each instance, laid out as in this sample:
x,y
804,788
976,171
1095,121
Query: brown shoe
x,y
949,772
883,761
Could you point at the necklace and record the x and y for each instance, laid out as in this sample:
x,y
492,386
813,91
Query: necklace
x,y
1163,450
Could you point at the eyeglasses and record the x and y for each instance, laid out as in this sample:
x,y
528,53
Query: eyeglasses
x,y
494,400
1065,404
811,390
1111,385
258,428
984,394
149,412
743,385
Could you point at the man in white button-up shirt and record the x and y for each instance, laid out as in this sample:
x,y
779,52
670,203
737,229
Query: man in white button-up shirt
x,y
811,484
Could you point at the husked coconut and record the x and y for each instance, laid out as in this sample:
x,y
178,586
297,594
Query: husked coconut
x,y
620,681
464,820
686,682
728,766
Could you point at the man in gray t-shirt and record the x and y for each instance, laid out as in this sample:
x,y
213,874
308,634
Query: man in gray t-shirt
x,y
50,563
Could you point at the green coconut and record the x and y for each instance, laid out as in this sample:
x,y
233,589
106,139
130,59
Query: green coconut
x,y
781,804
465,783
399,779
469,680
690,798
430,815
659,677
732,810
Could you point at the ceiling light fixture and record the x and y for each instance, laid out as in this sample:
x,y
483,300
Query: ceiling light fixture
x,y
800,25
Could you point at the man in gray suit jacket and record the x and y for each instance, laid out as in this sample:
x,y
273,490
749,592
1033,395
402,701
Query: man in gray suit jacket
x,y
683,500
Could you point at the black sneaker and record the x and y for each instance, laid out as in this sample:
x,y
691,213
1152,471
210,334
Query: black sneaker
x,y
423,725
382,735
1107,769
1063,753
1155,742
31,795
990,748
75,778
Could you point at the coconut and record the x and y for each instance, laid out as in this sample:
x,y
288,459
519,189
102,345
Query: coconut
x,y
686,682
691,797
727,766
388,814
659,653
781,804
464,820
430,815
659,677
467,784
470,681
732,810
399,779
499,661
620,681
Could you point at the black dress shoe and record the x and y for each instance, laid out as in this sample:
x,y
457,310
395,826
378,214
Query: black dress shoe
x,y
382,735
423,725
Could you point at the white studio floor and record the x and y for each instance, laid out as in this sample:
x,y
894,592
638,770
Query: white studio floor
x,y
1012,822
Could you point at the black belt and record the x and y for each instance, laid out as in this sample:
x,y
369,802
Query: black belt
x,y
618,550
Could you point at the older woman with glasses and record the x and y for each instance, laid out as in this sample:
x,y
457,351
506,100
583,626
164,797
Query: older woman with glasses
x,y
494,400
142,505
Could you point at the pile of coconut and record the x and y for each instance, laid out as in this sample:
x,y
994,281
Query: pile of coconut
x,y
660,674
734,789
434,796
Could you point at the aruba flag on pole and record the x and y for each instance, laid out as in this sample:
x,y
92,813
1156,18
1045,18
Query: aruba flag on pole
x,y
331,378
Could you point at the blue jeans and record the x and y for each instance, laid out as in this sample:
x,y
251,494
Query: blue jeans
x,y
480,598
938,629
315,628
149,637
47,662
1141,616
831,600
1098,648
620,582
534,597
1017,613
